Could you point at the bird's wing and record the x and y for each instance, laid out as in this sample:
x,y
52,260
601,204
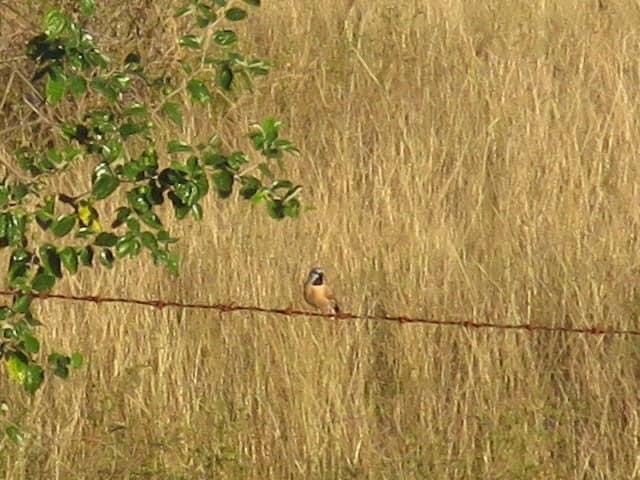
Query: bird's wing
x,y
329,293
334,301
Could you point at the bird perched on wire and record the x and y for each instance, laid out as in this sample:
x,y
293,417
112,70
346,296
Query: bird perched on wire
x,y
318,294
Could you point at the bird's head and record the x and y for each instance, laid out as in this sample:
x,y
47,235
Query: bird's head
x,y
316,276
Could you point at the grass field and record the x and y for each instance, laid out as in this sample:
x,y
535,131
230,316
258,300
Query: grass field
x,y
466,160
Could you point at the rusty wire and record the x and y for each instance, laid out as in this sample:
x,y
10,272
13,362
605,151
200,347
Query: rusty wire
x,y
291,312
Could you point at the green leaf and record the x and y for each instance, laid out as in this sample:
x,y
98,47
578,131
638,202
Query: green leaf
x,y
122,214
31,343
104,181
85,255
181,210
16,365
120,81
165,237
32,321
132,170
187,192
127,246
223,180
292,208
206,15
136,109
265,170
235,14
19,191
268,128
198,90
196,211
77,85
88,7
275,209
128,129
19,267
69,259
253,3
106,257
33,379
54,157
149,240
168,259
224,77
151,219
25,158
190,41
16,226
203,22
20,255
21,371
63,225
76,360
4,224
59,365
50,260
201,183
4,196
95,58
172,111
54,23
106,239
112,150
43,282
71,153
137,200
14,434
177,146
133,225
237,159
215,160
256,67
181,11
225,38
173,261
56,87
250,187
280,184
105,88
170,177
149,159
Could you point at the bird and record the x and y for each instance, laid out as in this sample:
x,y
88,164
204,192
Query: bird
x,y
318,294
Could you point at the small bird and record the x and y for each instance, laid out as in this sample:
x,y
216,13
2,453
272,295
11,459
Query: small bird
x,y
318,294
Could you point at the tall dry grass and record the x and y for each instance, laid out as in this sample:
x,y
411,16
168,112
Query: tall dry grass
x,y
466,160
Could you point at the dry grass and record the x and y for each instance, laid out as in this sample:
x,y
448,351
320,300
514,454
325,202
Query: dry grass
x,y
474,161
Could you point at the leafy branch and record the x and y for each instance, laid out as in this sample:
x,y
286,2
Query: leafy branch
x,y
114,131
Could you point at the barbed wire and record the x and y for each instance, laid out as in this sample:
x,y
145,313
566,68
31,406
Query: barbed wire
x,y
292,312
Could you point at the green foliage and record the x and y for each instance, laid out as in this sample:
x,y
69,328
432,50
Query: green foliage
x,y
198,90
14,434
172,110
236,14
114,129
225,38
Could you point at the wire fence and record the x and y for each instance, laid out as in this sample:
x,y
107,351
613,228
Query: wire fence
x,y
342,316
